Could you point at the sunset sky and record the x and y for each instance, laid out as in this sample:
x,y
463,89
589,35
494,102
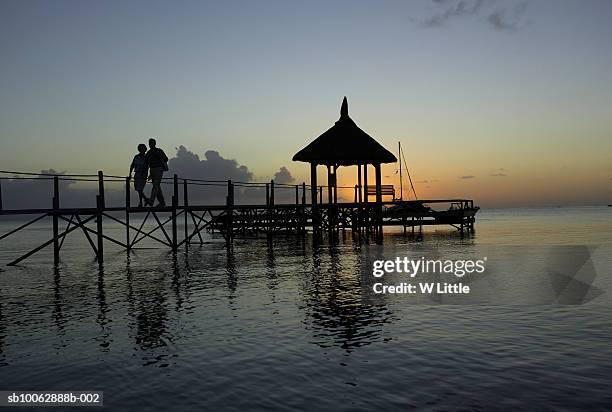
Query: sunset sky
x,y
508,102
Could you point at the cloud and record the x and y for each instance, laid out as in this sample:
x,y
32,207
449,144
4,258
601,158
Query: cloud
x,y
467,177
18,193
212,167
283,176
216,170
499,15
498,175
452,9
508,18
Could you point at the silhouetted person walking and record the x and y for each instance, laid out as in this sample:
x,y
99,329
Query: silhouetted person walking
x,y
139,167
157,163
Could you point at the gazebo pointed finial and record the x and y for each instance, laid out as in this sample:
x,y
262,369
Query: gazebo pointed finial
x,y
344,109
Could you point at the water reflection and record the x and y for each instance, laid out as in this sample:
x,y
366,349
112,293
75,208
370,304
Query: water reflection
x,y
2,337
335,302
102,319
232,275
160,294
147,305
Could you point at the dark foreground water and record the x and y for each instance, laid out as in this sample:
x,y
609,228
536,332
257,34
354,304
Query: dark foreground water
x,y
288,326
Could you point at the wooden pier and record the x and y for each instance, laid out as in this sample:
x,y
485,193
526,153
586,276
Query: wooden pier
x,y
342,145
322,220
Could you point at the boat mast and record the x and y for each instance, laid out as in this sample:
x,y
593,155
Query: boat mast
x,y
399,154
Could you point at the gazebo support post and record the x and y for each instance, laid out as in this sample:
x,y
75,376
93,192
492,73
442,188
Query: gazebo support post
x,y
366,222
335,184
359,183
313,183
379,222
359,198
330,200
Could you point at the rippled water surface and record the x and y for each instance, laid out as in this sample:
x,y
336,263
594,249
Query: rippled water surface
x,y
289,326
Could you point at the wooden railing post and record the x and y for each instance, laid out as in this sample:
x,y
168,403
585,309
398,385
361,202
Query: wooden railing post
x,y
174,206
303,193
100,205
56,244
0,194
272,192
297,195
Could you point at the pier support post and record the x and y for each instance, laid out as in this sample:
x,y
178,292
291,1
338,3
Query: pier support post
x,y
127,213
303,209
185,212
174,206
271,213
298,214
99,211
56,244
230,210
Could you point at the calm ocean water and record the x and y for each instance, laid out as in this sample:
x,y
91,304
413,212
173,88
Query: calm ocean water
x,y
290,327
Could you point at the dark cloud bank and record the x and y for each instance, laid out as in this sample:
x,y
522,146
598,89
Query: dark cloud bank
x,y
21,193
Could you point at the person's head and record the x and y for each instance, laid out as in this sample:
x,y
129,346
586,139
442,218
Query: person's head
x,y
152,143
142,148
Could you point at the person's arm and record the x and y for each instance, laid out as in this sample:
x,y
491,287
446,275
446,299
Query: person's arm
x,y
163,155
131,169
146,165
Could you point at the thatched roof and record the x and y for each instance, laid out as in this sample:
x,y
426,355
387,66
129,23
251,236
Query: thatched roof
x,y
344,144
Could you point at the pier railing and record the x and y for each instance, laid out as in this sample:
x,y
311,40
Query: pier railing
x,y
284,210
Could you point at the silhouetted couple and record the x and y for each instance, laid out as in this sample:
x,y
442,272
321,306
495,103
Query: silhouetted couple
x,y
151,165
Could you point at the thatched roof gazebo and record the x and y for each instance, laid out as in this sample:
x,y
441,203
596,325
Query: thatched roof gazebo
x,y
344,144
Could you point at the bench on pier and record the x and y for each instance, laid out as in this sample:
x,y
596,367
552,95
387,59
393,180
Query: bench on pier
x,y
385,190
